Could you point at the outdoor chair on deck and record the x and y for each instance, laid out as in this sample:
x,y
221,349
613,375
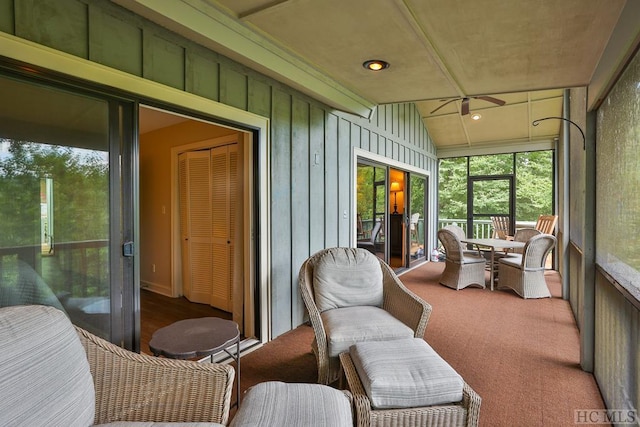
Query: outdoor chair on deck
x,y
525,273
546,224
501,227
413,226
461,270
370,243
352,296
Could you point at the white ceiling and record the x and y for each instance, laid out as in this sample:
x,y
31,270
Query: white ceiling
x,y
523,52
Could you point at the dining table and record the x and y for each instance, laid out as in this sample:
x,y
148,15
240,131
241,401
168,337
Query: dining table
x,y
493,245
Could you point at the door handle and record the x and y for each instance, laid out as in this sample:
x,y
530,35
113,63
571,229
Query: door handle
x,y
127,249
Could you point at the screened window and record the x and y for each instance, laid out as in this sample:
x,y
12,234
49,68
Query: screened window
x,y
618,180
489,174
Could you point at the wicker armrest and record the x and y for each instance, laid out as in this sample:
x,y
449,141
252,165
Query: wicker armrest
x,y
403,304
134,387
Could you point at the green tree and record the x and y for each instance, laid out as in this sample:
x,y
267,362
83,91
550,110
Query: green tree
x,y
81,197
533,192
534,185
452,188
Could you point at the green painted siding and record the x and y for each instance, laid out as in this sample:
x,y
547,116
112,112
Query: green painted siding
x,y
6,16
316,180
300,198
164,61
121,50
233,88
311,143
60,24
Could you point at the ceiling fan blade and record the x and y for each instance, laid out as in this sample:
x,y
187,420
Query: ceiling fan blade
x,y
491,99
446,103
465,106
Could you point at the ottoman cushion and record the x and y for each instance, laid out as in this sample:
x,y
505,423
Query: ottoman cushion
x,y
275,403
405,373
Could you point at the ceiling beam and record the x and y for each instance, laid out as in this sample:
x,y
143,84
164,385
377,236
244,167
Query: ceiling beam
x,y
261,9
423,36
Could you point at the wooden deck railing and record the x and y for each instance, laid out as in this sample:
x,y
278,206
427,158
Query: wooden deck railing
x,y
79,267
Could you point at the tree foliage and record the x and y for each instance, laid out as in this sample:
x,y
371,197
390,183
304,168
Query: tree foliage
x,y
80,192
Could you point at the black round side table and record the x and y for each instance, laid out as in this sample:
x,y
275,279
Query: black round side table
x,y
200,337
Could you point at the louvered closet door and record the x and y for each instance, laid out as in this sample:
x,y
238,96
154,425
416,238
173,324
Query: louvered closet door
x,y
224,182
196,225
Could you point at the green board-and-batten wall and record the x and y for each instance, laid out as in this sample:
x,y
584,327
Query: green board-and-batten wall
x,y
311,143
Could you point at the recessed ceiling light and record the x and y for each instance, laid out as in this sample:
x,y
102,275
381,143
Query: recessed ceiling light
x,y
375,65
476,116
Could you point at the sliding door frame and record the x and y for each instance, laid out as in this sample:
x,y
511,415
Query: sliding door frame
x,y
362,156
49,65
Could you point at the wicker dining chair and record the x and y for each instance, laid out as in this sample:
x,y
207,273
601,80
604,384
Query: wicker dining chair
x,y
523,235
461,269
353,296
459,232
525,273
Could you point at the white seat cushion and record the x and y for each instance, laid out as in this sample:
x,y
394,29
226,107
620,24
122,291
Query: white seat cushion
x,y
405,373
275,403
471,259
349,325
514,260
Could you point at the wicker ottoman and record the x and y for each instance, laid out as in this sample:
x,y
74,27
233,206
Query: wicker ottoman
x,y
409,359
275,403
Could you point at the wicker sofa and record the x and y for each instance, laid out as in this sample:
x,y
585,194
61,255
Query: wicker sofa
x,y
52,373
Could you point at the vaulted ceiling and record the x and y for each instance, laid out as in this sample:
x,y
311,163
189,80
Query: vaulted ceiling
x,y
522,52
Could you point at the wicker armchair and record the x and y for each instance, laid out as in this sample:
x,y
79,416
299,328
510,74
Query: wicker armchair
x,y
43,359
525,273
360,279
461,269
465,413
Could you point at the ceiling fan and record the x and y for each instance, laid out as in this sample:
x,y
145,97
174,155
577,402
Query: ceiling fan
x,y
464,110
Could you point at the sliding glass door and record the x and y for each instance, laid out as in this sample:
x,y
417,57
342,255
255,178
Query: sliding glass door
x,y
67,205
372,209
391,211
417,214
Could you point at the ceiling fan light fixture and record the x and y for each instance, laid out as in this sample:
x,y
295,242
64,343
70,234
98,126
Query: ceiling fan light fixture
x,y
476,116
375,65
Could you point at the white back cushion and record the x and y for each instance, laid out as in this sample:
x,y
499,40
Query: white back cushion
x,y
44,372
346,277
